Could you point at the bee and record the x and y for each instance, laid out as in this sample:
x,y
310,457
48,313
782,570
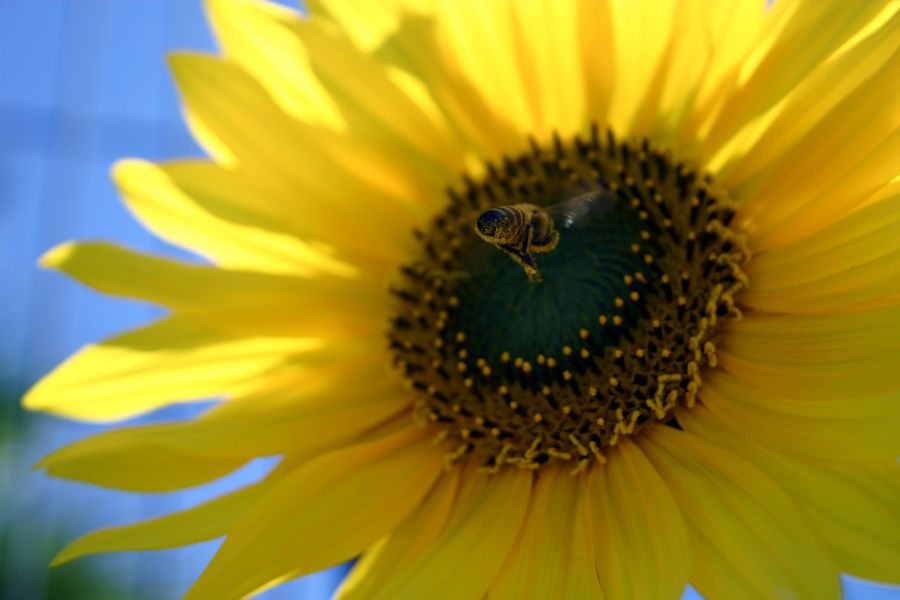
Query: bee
x,y
522,230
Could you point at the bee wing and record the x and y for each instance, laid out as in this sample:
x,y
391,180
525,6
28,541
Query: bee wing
x,y
594,204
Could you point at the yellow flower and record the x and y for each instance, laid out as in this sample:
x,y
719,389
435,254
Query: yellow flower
x,y
696,382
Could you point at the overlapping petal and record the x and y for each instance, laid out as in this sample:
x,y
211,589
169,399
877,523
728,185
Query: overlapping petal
x,y
313,517
748,538
852,508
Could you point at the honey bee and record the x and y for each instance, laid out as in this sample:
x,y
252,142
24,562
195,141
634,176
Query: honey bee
x,y
522,230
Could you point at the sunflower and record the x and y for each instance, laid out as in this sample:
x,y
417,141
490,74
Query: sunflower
x,y
532,299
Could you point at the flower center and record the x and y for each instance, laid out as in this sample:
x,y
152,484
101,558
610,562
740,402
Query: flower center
x,y
567,299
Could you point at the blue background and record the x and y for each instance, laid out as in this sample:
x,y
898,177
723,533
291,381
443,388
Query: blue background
x,y
83,83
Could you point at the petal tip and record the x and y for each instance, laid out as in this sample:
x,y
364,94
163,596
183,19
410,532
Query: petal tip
x,y
57,256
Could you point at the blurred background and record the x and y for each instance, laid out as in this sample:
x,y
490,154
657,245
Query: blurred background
x,y
82,84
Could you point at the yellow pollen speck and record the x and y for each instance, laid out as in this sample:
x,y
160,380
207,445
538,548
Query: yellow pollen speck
x,y
617,320
538,418
551,362
613,381
619,302
583,333
602,319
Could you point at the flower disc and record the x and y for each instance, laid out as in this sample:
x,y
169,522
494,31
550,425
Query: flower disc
x,y
616,333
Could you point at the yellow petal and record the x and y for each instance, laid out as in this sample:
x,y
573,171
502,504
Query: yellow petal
x,y
417,50
169,456
481,38
699,62
257,36
853,508
748,538
845,265
831,339
470,552
376,108
582,580
176,201
730,32
597,56
244,301
849,429
173,360
800,35
547,561
546,50
327,511
390,555
638,529
640,32
119,461
815,140
311,177
368,22
838,356
204,522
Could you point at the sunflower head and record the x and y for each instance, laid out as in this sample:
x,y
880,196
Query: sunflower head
x,y
479,274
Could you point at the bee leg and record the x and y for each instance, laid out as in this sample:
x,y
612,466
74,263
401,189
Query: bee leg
x,y
525,261
525,258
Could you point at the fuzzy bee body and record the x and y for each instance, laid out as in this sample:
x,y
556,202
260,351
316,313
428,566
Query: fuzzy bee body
x,y
519,230
524,229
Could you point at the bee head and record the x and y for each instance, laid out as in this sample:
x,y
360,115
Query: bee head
x,y
489,222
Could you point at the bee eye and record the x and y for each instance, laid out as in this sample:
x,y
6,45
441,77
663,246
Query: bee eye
x,y
487,222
